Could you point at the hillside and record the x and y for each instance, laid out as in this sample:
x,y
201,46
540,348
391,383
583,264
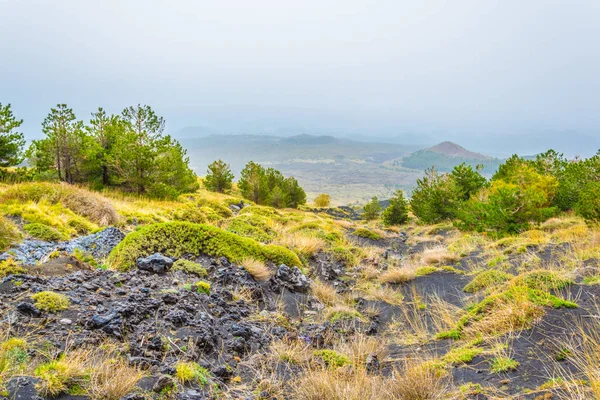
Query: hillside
x,y
107,296
348,170
446,155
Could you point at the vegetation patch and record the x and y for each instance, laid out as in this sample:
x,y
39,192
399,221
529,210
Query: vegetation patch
x,y
542,280
10,267
367,234
202,287
43,232
332,358
50,301
253,226
175,239
422,271
189,267
503,364
187,372
9,234
487,279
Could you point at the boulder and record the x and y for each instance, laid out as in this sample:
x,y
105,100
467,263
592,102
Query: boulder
x,y
292,278
156,263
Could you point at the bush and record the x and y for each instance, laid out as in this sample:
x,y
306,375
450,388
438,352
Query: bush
x,y
253,226
323,200
397,212
588,204
218,177
468,180
50,301
435,198
203,287
176,239
367,234
332,358
190,371
10,267
9,234
43,232
372,209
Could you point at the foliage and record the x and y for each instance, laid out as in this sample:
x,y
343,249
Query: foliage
x,y
588,203
435,197
50,301
252,226
191,372
372,209
423,159
468,180
487,279
503,364
367,234
397,212
322,200
203,287
332,358
10,267
270,187
176,239
43,232
189,267
218,177
511,204
11,141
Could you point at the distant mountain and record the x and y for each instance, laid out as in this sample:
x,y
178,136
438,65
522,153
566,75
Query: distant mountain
x,y
446,155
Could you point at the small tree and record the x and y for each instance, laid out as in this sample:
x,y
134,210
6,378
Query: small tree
x,y
252,183
588,205
397,211
372,209
435,198
468,180
323,200
11,142
219,177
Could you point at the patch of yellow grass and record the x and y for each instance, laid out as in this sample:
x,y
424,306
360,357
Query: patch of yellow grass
x,y
401,274
302,244
325,293
439,255
257,269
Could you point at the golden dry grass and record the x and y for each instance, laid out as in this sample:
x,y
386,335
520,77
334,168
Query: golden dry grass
x,y
257,269
401,274
302,244
325,293
439,255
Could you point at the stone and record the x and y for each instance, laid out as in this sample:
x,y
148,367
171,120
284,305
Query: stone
x,y
156,263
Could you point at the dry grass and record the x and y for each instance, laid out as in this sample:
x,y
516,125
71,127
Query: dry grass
x,y
325,293
304,245
111,378
360,346
257,269
439,255
291,352
401,274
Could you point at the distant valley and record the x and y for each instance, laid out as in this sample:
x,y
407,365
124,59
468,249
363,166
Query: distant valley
x,y
350,171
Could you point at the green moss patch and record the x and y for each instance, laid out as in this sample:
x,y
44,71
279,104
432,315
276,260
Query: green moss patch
x,y
43,232
487,279
189,267
332,358
50,301
252,226
174,239
367,234
10,267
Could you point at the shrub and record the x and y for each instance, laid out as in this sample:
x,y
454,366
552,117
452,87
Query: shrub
x,y
435,197
43,232
372,209
343,254
253,226
176,239
218,177
8,234
322,200
332,358
468,180
397,212
203,287
487,279
189,267
367,234
50,301
10,267
588,204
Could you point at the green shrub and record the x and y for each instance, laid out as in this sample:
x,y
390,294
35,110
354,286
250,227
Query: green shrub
x,y
367,234
253,226
9,234
588,204
332,358
344,255
10,267
43,232
176,239
50,301
203,287
13,356
435,197
189,267
191,372
397,212
487,279
372,209
542,280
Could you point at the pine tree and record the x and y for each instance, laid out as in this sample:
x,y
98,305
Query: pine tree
x,y
397,212
218,177
11,142
372,209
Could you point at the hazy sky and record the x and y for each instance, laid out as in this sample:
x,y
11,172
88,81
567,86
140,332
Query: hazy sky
x,y
460,66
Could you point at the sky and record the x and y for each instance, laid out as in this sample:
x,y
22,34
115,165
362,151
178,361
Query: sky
x,y
460,69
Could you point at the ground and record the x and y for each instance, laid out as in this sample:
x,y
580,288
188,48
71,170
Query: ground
x,y
368,312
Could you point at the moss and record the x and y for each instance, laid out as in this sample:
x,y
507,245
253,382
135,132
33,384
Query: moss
x,y
422,271
367,234
50,301
343,315
487,279
10,267
253,226
189,213
43,232
216,207
462,355
186,372
503,364
260,210
202,287
9,234
332,358
176,239
454,270
189,267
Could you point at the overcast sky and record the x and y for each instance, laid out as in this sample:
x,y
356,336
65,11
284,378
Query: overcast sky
x,y
478,67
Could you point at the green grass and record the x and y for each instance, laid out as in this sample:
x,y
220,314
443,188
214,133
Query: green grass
x,y
422,271
43,232
462,355
203,287
487,279
9,234
50,301
332,358
252,226
186,372
503,364
175,239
